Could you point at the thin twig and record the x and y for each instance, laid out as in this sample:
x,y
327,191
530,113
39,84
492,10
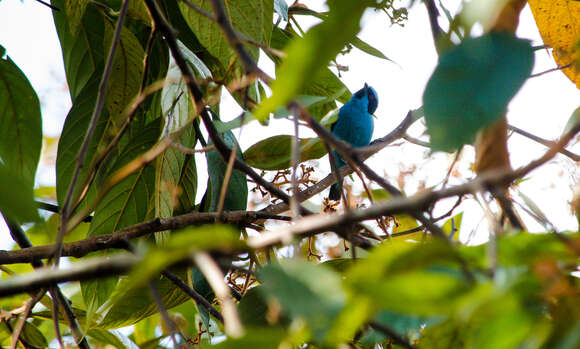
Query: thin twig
x,y
227,177
551,70
154,290
397,338
433,13
193,294
545,142
189,151
48,5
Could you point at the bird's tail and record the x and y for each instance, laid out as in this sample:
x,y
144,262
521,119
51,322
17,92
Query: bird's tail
x,y
335,190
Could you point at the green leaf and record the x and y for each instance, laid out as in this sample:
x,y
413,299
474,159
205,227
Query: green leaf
x,y
237,192
168,172
74,12
323,83
177,247
82,51
33,336
20,123
74,130
126,71
572,121
266,338
16,197
310,292
275,153
253,308
125,204
472,85
138,305
363,46
313,52
189,38
105,337
251,18
424,277
188,185
453,226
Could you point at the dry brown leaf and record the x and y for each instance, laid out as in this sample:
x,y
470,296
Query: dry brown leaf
x,y
559,25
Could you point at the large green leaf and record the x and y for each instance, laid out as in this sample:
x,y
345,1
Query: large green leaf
x,y
82,50
20,123
307,55
275,153
249,17
73,133
126,71
420,279
263,338
472,86
105,337
323,83
125,204
74,12
237,193
138,305
178,246
306,291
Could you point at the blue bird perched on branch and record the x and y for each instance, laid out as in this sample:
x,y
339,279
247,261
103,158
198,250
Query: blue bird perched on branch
x,y
355,126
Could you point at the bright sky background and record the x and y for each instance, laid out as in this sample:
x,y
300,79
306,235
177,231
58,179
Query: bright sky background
x,y
542,107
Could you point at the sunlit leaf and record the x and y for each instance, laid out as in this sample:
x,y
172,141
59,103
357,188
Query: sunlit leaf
x,y
309,54
363,46
557,21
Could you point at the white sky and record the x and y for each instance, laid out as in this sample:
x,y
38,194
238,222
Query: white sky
x,y
542,107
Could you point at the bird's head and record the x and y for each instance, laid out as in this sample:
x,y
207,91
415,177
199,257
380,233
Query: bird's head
x,y
369,95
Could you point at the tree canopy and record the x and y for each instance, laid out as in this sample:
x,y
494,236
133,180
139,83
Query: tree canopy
x,y
123,253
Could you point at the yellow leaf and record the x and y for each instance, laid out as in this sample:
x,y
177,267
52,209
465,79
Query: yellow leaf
x,y
559,25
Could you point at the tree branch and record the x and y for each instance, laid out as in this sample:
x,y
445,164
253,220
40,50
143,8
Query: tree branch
x,y
545,142
118,239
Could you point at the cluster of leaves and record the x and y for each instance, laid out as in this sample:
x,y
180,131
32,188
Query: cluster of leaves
x,y
424,292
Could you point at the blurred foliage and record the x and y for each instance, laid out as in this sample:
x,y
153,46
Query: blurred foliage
x,y
409,290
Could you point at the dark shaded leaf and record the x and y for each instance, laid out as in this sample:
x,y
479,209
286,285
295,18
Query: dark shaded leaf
x,y
472,85
16,197
126,71
82,51
275,153
20,123
306,291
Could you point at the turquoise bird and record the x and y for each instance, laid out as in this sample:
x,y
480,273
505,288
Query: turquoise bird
x,y
355,126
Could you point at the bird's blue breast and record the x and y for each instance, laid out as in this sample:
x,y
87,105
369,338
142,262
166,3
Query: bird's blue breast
x,y
354,124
